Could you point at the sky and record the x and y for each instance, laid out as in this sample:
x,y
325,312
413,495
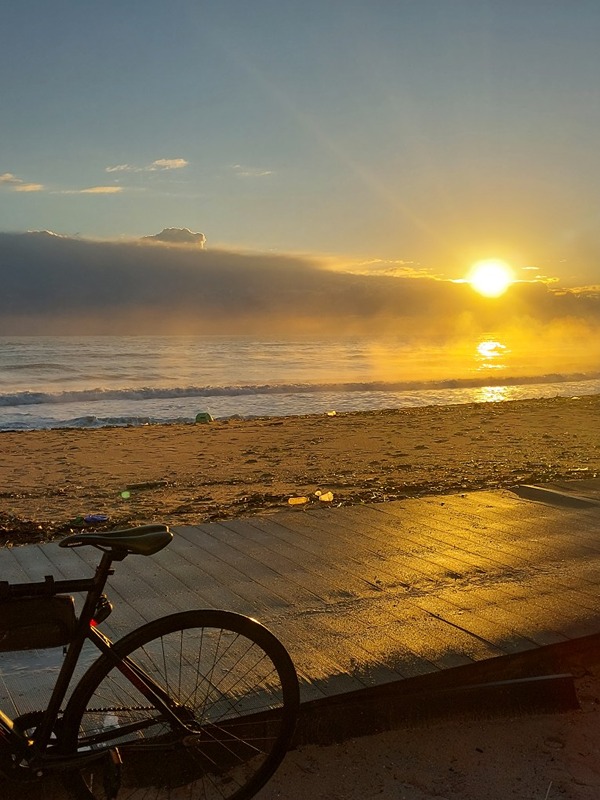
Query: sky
x,y
372,137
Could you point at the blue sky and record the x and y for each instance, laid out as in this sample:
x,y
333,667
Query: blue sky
x,y
429,132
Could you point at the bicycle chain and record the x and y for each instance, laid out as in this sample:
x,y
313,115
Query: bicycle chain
x,y
116,709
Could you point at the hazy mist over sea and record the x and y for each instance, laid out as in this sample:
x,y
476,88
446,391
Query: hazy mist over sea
x,y
63,285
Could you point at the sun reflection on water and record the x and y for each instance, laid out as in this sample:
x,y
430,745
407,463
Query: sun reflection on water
x,y
493,394
490,354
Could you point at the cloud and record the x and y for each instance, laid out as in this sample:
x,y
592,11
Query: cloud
x,y
250,172
9,178
397,268
101,190
168,163
60,284
160,164
93,190
18,184
178,236
29,187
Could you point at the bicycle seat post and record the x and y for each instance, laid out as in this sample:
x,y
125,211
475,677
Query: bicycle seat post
x,y
103,570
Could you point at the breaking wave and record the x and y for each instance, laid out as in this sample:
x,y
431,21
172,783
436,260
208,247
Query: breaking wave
x,y
132,394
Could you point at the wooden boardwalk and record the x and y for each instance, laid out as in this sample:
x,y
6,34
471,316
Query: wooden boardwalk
x,y
362,596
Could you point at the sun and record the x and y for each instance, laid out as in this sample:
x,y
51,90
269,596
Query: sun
x,y
491,277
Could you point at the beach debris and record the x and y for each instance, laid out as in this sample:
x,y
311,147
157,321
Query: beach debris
x,y
297,501
204,417
324,497
331,413
147,485
140,487
94,518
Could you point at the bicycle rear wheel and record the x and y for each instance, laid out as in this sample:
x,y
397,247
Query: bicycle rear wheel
x,y
227,677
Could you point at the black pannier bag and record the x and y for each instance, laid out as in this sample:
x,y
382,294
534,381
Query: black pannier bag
x,y
30,623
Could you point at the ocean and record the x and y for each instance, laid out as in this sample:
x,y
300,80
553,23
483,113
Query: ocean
x,y
91,382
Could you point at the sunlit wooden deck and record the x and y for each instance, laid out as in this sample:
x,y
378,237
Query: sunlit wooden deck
x,y
365,596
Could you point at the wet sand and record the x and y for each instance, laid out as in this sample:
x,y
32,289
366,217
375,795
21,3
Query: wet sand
x,y
188,474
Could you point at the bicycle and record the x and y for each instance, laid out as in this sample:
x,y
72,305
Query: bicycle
x,y
201,699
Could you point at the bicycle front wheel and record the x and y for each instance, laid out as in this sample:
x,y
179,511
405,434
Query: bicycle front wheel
x,y
228,679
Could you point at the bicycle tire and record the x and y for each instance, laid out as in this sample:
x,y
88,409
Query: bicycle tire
x,y
238,687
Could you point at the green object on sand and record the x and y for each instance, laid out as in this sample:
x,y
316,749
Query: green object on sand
x,y
204,417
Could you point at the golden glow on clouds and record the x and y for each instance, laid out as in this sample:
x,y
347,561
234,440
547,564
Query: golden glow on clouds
x,y
28,187
8,177
18,184
491,277
15,184
101,190
159,164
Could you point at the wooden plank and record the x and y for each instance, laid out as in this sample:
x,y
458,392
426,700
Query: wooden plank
x,y
226,569
439,529
35,561
347,651
195,587
280,546
516,622
497,638
537,534
358,656
394,637
360,626
522,608
584,487
519,557
505,597
281,574
308,551
306,568
577,581
492,571
492,623
10,568
360,559
514,516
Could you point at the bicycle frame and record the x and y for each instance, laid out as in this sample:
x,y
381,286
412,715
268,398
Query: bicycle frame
x,y
35,750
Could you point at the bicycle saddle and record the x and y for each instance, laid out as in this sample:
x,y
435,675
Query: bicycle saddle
x,y
145,540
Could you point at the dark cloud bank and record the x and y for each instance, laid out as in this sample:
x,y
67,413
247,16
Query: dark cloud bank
x,y
52,284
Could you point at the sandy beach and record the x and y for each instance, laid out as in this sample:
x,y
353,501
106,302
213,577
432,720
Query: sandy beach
x,y
187,474
528,757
